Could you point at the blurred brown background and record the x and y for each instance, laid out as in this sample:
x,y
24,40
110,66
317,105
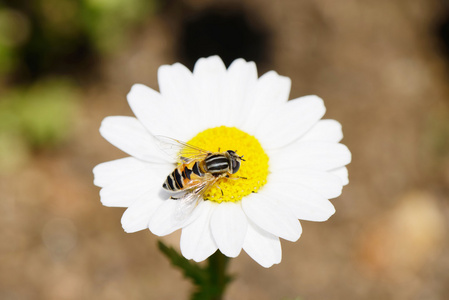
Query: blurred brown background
x,y
382,68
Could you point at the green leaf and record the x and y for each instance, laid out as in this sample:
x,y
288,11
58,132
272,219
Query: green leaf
x,y
191,270
210,281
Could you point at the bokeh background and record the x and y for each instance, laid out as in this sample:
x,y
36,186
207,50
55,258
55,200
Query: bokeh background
x,y
382,68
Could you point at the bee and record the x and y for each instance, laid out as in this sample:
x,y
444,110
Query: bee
x,y
198,169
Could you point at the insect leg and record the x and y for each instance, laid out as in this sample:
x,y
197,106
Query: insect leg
x,y
218,186
235,177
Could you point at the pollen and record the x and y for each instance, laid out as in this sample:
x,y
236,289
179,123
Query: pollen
x,y
253,171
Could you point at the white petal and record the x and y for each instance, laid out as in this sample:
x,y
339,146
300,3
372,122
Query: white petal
x,y
270,92
209,74
240,80
324,183
175,83
177,87
324,130
196,239
165,220
205,68
290,121
266,213
322,156
262,246
108,172
342,173
303,203
155,112
138,215
228,225
130,136
123,191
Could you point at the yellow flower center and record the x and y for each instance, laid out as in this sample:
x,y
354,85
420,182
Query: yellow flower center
x,y
253,172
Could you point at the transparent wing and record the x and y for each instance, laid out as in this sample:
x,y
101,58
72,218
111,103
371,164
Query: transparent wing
x,y
180,151
190,199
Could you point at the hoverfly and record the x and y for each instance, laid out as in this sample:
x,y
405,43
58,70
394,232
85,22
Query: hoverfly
x,y
198,169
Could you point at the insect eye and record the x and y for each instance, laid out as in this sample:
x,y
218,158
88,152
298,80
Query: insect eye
x,y
235,166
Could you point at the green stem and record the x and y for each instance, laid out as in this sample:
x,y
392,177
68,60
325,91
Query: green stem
x,y
210,281
217,264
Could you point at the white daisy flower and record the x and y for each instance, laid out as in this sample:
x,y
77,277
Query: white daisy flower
x,y
293,164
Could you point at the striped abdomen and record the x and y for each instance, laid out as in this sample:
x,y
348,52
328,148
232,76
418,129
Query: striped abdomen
x,y
184,177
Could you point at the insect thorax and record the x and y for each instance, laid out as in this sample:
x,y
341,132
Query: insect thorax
x,y
217,163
